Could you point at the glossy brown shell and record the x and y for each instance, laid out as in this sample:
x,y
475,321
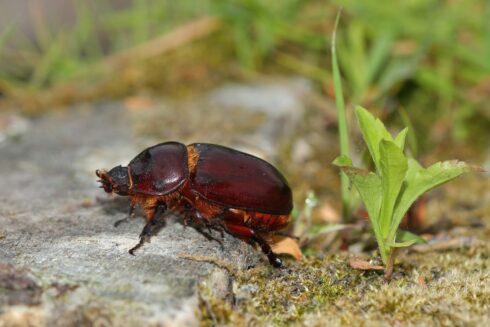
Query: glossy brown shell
x,y
238,180
160,169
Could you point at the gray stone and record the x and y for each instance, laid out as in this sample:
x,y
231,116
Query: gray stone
x,y
281,102
56,223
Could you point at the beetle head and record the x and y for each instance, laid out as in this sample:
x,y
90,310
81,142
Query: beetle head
x,y
114,181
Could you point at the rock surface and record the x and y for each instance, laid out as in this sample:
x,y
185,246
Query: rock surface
x,y
62,262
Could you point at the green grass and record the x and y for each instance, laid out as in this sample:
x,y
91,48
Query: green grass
x,y
57,54
342,123
427,56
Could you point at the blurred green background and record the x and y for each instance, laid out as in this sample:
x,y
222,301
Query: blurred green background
x,y
424,63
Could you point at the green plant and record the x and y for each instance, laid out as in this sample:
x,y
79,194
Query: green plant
x,y
396,183
258,27
342,122
429,53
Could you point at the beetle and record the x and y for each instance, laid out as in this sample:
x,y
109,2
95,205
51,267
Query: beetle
x,y
211,185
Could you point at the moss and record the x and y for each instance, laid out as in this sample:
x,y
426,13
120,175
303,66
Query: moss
x,y
315,288
285,295
264,294
436,288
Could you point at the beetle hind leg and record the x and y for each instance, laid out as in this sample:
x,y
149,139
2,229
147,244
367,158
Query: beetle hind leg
x,y
250,234
266,248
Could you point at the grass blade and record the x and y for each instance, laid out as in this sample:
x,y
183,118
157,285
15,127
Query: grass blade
x,y
342,122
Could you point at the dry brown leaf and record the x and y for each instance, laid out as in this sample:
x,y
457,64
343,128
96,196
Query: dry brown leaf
x,y
361,264
286,245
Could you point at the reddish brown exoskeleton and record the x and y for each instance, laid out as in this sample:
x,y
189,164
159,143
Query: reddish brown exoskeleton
x,y
212,185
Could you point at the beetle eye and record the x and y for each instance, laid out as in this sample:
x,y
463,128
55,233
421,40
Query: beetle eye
x,y
97,172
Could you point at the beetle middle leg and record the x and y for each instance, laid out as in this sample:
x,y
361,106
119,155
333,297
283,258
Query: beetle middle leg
x,y
130,216
151,227
250,234
214,223
208,234
200,223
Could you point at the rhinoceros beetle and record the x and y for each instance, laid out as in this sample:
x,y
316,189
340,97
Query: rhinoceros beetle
x,y
211,185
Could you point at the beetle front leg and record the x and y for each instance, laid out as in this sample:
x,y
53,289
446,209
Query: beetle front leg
x,y
130,216
150,228
248,233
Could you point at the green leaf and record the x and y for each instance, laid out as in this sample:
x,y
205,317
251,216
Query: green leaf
x,y
368,185
403,236
419,180
412,138
342,160
400,138
405,239
373,131
393,167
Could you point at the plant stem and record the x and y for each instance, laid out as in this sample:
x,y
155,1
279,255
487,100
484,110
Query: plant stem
x,y
383,251
390,264
342,123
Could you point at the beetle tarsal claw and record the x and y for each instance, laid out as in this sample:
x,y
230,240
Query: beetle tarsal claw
x,y
134,248
120,221
143,240
276,262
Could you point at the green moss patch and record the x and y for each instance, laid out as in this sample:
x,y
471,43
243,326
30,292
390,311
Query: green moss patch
x,y
445,287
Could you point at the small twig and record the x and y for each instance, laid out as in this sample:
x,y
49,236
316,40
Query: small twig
x,y
174,39
217,262
334,231
361,264
451,244
71,91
